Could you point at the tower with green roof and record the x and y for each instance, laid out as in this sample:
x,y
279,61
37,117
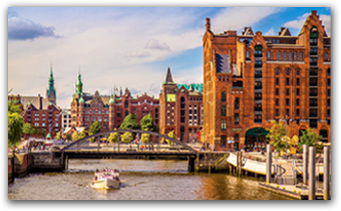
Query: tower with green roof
x,y
79,84
51,91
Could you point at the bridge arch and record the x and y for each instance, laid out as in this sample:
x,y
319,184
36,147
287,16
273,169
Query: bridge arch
x,y
128,130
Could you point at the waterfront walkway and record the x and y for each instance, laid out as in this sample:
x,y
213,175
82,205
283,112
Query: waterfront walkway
x,y
295,191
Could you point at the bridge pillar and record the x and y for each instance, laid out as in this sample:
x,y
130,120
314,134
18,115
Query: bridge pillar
x,y
118,141
191,162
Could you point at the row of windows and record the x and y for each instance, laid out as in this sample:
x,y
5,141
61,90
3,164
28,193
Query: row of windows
x,y
312,112
286,56
43,124
222,78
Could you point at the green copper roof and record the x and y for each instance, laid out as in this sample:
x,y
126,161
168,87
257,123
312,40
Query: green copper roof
x,y
112,100
197,87
79,85
51,84
81,100
48,135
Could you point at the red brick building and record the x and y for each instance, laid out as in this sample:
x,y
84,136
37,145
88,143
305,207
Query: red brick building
x,y
252,79
41,112
181,109
110,110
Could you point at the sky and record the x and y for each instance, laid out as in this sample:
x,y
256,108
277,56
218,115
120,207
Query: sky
x,y
128,47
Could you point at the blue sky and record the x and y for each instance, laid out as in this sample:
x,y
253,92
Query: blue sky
x,y
125,47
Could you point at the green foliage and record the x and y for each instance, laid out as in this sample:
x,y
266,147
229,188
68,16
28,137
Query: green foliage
x,y
145,138
146,123
127,137
15,124
129,122
27,129
94,129
81,134
171,134
277,135
57,137
310,138
74,136
113,137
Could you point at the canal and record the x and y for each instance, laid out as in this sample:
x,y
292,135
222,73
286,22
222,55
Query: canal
x,y
141,180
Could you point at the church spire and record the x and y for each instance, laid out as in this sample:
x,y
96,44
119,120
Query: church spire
x,y
79,84
169,79
51,92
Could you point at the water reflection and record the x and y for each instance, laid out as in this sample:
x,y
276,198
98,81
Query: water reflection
x,y
141,180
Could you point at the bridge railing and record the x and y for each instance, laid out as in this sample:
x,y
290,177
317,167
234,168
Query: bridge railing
x,y
134,145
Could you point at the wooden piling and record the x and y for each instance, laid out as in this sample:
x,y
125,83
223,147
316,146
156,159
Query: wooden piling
x,y
312,170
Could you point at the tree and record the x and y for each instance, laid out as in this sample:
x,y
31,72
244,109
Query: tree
x,y
310,138
145,138
127,137
277,135
81,134
171,135
94,129
27,129
15,124
113,137
146,123
129,122
74,136
57,137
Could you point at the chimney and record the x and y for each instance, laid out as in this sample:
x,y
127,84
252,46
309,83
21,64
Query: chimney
x,y
208,24
40,102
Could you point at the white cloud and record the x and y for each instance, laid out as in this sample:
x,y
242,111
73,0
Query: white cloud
x,y
238,18
155,44
270,32
299,22
137,54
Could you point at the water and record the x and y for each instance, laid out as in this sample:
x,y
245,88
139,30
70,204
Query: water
x,y
141,180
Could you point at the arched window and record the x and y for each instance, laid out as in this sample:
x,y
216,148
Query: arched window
x,y
298,71
300,55
289,56
277,71
325,56
126,113
223,97
126,103
247,54
279,56
295,56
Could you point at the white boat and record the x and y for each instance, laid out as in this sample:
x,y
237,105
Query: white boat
x,y
106,180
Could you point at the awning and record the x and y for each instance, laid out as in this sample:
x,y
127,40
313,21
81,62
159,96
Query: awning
x,y
258,131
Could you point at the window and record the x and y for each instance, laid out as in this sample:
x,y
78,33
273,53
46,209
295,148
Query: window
x,y
297,112
290,56
223,110
287,91
236,118
287,101
227,78
223,97
277,112
99,119
277,101
43,125
285,56
247,54
279,56
298,71
295,56
300,55
277,91
223,141
277,71
236,103
287,81
298,92
224,78
56,124
126,103
223,124
298,102
288,71
269,55
219,78
93,119
277,81
298,81
326,56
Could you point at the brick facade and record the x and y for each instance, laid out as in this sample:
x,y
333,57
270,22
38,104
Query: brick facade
x,y
110,110
181,109
252,79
